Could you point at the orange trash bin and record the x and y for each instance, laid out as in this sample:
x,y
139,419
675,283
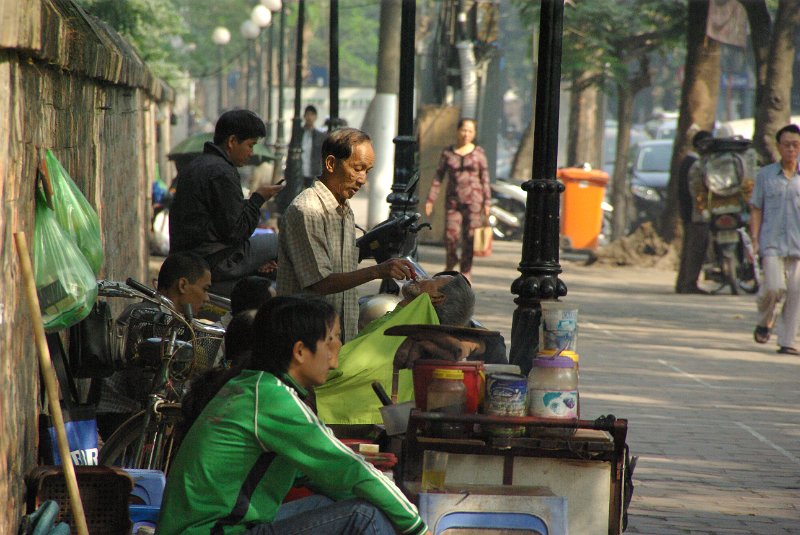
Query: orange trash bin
x,y
581,211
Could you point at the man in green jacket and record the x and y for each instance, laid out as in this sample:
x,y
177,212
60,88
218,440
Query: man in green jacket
x,y
255,437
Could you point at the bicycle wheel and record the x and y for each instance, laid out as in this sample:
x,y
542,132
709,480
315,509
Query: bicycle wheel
x,y
144,440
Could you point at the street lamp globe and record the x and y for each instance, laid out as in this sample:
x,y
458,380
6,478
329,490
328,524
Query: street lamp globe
x,y
221,36
249,29
261,16
272,5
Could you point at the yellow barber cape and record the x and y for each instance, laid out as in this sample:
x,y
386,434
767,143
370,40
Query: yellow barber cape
x,y
347,397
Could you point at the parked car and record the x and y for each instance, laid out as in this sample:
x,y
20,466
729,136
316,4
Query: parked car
x,y
648,179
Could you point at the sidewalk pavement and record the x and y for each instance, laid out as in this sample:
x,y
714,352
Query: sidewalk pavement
x,y
714,417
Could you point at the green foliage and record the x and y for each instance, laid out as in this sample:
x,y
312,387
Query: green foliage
x,y
605,36
151,26
174,36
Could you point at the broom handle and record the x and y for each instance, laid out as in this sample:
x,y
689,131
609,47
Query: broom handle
x,y
50,383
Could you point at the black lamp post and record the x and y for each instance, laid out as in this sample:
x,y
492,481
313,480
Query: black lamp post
x,y
273,6
539,265
333,67
294,163
404,163
280,141
220,37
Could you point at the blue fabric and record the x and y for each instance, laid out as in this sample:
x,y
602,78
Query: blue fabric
x,y
778,198
322,516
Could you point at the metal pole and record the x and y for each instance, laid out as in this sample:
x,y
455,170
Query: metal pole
x,y
260,75
294,164
248,78
220,84
268,138
404,164
333,59
280,142
539,266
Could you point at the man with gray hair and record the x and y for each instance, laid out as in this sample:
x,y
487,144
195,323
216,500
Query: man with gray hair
x,y
317,250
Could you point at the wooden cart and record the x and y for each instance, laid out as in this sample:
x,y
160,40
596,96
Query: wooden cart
x,y
582,460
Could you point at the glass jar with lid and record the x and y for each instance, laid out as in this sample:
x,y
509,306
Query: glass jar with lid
x,y
553,388
447,394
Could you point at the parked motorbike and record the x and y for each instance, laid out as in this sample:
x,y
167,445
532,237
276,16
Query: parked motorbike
x,y
507,214
726,210
394,238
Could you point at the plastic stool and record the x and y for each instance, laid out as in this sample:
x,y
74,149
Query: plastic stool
x,y
148,485
476,520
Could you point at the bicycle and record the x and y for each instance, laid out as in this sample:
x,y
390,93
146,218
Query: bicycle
x,y
174,346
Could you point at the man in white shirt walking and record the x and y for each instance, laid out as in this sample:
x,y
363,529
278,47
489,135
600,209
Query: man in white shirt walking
x,y
775,231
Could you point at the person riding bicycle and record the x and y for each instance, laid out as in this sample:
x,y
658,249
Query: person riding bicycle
x,y
252,437
184,278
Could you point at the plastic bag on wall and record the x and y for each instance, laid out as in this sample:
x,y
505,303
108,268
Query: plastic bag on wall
x,y
65,284
74,213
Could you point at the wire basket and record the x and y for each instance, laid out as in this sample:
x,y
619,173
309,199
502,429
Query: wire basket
x,y
144,326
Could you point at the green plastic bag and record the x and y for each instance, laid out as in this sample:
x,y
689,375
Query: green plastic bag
x,y
74,213
65,284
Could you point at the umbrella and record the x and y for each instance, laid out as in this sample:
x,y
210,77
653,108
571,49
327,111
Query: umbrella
x,y
192,146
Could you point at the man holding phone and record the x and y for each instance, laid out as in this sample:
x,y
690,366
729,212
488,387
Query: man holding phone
x,y
210,216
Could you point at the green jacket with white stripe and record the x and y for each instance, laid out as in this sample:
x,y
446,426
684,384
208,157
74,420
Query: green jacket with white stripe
x,y
247,448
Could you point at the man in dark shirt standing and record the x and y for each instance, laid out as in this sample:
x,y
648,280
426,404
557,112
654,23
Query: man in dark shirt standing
x,y
210,216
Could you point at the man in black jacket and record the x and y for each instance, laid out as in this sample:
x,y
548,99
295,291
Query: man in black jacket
x,y
210,216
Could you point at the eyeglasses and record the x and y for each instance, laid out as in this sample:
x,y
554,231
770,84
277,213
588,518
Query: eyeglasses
x,y
790,144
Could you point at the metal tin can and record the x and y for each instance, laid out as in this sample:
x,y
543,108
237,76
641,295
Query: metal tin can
x,y
506,395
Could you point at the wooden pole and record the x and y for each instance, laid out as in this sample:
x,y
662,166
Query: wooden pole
x,y
50,383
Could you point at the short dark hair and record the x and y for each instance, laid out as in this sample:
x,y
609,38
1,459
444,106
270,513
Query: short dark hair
x,y
250,293
310,108
178,265
700,138
239,337
283,321
244,124
792,128
465,119
340,143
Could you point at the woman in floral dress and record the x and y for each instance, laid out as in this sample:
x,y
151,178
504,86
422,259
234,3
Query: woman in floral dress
x,y
467,197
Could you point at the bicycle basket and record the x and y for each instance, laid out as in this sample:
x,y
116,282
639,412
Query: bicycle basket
x,y
147,323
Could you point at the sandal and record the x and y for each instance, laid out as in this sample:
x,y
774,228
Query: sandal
x,y
761,334
786,350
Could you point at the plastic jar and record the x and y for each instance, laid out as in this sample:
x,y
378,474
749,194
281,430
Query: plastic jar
x,y
553,388
447,394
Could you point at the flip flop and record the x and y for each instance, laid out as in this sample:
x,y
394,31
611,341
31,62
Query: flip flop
x,y
786,350
761,334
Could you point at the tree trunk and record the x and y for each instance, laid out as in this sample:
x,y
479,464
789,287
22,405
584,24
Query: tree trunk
x,y
619,182
698,103
585,120
620,197
522,168
774,109
760,36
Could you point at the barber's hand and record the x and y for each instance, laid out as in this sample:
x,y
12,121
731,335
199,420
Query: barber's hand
x,y
269,190
269,267
432,345
397,268
428,208
487,210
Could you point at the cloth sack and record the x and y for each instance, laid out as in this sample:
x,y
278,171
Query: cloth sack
x,y
482,241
